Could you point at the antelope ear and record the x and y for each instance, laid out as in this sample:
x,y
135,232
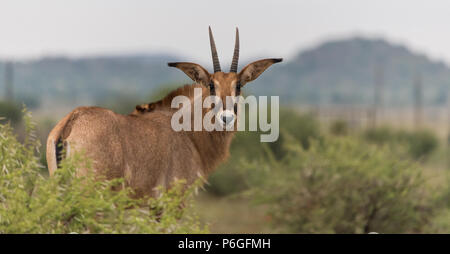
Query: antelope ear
x,y
196,72
253,70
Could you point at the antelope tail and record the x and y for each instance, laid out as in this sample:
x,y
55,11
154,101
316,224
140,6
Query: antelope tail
x,y
56,144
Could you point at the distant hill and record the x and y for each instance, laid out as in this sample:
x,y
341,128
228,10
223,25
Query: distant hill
x,y
85,80
336,72
343,71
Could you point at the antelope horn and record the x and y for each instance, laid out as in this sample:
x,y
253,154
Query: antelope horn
x,y
234,63
215,57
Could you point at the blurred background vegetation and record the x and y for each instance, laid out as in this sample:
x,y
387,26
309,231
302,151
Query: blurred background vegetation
x,y
363,145
331,179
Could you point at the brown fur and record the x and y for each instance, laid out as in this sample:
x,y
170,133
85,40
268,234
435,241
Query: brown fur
x,y
164,104
141,148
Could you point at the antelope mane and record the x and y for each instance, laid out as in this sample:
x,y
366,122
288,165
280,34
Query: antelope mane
x,y
165,103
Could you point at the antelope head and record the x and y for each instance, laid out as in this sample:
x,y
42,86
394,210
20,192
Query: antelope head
x,y
225,84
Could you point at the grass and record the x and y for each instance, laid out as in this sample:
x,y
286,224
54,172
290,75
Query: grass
x,y
231,215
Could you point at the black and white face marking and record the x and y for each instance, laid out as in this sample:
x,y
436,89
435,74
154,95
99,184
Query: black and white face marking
x,y
237,93
225,91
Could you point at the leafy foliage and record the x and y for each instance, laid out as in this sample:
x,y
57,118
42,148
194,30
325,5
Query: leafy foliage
x,y
339,128
66,203
343,185
420,143
10,111
302,127
229,177
340,183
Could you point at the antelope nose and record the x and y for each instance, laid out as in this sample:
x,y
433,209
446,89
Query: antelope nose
x,y
227,118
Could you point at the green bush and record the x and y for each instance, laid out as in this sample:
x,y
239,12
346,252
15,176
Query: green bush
x,y
441,221
420,143
382,135
31,203
229,178
10,111
302,127
440,224
339,128
342,185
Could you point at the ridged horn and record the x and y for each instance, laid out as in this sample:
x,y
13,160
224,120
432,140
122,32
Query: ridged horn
x,y
215,57
234,63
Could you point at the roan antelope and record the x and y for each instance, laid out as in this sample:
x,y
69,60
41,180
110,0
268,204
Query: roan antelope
x,y
142,147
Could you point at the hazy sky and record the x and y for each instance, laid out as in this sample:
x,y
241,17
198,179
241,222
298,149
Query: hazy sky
x,y
267,28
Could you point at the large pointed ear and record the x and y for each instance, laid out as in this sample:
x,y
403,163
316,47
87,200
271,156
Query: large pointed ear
x,y
194,71
253,70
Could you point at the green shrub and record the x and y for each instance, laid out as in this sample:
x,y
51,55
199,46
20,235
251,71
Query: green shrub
x,y
342,185
302,127
422,143
339,128
229,178
10,111
31,203
419,143
440,223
